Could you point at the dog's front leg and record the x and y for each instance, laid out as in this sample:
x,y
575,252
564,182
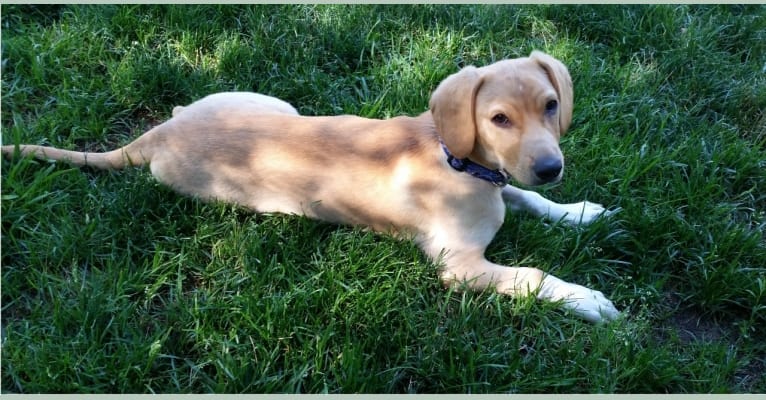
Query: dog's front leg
x,y
581,213
478,273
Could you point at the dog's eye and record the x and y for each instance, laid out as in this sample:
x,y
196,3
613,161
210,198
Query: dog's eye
x,y
501,120
551,106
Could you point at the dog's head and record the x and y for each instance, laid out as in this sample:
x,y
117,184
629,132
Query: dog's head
x,y
508,115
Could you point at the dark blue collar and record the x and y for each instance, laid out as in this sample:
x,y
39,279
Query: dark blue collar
x,y
493,176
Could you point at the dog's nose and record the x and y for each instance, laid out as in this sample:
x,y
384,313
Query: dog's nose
x,y
547,169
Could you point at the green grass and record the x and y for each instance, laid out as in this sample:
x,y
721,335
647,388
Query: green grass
x,y
113,283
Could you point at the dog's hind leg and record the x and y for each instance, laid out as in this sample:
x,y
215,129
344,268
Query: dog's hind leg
x,y
137,153
478,273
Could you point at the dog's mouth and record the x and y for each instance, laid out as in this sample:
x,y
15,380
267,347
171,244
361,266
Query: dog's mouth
x,y
543,182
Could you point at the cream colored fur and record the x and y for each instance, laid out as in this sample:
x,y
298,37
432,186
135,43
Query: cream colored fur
x,y
390,175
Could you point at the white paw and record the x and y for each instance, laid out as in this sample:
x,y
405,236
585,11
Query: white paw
x,y
588,304
582,213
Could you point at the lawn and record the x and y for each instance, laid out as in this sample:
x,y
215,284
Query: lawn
x,y
113,283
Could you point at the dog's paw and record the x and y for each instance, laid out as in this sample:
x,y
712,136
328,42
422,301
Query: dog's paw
x,y
582,213
591,305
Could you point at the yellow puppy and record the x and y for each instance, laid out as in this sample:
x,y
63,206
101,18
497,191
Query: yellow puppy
x,y
438,178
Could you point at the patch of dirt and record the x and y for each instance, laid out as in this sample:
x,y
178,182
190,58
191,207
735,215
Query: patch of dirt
x,y
691,325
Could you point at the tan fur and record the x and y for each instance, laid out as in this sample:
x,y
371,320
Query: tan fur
x,y
390,175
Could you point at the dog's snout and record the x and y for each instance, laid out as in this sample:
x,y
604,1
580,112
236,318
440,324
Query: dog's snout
x,y
547,169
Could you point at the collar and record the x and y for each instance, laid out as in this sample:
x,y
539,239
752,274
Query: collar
x,y
494,176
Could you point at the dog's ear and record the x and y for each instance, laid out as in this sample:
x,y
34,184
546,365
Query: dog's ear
x,y
452,107
562,82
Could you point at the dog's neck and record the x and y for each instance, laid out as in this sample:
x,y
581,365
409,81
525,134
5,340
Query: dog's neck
x,y
495,177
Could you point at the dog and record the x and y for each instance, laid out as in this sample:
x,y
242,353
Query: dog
x,y
438,178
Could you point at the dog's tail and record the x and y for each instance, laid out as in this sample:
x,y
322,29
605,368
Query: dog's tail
x,y
135,154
